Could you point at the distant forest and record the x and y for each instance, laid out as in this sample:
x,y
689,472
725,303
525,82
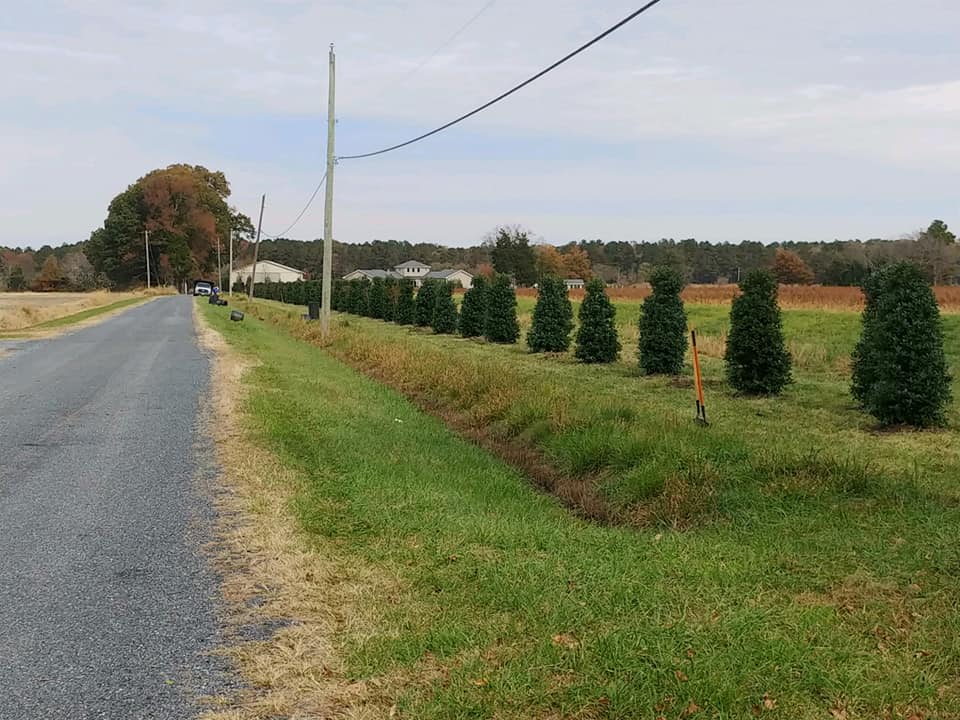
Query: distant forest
x,y
511,250
830,263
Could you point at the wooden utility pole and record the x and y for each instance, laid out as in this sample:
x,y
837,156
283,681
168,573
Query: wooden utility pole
x,y
230,271
256,247
327,275
219,270
146,248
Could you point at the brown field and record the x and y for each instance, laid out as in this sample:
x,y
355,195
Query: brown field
x,y
791,296
21,310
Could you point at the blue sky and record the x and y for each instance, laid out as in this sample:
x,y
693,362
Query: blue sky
x,y
746,119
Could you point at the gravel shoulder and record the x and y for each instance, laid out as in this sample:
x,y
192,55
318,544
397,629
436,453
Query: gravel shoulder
x,y
107,607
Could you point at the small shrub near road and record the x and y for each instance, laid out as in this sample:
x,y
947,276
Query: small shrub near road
x,y
899,369
444,310
473,310
552,318
757,359
663,325
597,340
426,303
502,325
406,305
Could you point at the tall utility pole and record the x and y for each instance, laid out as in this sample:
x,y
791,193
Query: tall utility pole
x,y
327,279
256,247
219,271
230,271
146,248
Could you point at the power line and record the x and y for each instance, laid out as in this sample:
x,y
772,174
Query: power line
x,y
446,43
302,212
508,93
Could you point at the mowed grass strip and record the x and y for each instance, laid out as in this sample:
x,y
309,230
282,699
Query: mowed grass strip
x,y
74,318
790,604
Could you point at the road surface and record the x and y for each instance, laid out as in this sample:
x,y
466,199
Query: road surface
x,y
107,607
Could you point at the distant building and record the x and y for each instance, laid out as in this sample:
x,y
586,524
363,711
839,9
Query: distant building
x,y
269,271
416,271
575,284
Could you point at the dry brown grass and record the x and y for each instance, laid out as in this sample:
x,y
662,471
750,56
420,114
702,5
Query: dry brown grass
x,y
814,297
22,310
273,575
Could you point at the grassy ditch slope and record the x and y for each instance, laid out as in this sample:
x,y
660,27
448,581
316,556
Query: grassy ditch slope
x,y
816,576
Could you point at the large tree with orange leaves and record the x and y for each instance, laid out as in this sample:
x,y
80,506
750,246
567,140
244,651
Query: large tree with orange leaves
x,y
185,210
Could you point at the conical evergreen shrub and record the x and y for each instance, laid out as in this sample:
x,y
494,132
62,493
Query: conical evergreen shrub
x,y
406,305
473,309
390,291
501,325
426,302
663,325
552,318
377,300
900,371
757,359
444,310
597,340
337,295
358,296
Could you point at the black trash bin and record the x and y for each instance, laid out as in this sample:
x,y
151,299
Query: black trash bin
x,y
313,310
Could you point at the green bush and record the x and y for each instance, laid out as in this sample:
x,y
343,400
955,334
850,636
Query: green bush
x,y
757,359
338,295
473,310
377,299
900,372
597,340
552,318
663,325
444,310
406,311
358,296
390,299
426,302
501,325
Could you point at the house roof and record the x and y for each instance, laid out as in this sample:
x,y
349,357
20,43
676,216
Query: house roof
x,y
376,273
411,264
262,263
443,274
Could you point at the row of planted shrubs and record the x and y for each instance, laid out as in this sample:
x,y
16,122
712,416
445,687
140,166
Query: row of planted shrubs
x,y
900,374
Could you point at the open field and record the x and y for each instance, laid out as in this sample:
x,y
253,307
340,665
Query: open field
x,y
791,296
788,562
38,311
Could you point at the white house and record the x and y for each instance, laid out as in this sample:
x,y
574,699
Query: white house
x,y
575,284
416,271
268,271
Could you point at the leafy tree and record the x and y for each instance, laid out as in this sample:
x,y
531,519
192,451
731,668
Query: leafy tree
x,y
663,325
473,310
3,272
900,371
444,310
390,296
597,340
552,318
501,325
377,300
50,276
426,303
576,263
16,282
790,269
513,255
757,359
406,305
937,251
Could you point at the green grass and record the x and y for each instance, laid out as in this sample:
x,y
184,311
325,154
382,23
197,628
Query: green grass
x,y
76,317
818,581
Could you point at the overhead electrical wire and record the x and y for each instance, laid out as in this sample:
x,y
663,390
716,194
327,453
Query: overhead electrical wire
x,y
609,31
302,212
446,43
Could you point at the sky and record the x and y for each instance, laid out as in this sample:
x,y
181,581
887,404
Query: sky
x,y
760,120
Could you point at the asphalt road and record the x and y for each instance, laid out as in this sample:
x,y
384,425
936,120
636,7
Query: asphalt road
x,y
107,606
